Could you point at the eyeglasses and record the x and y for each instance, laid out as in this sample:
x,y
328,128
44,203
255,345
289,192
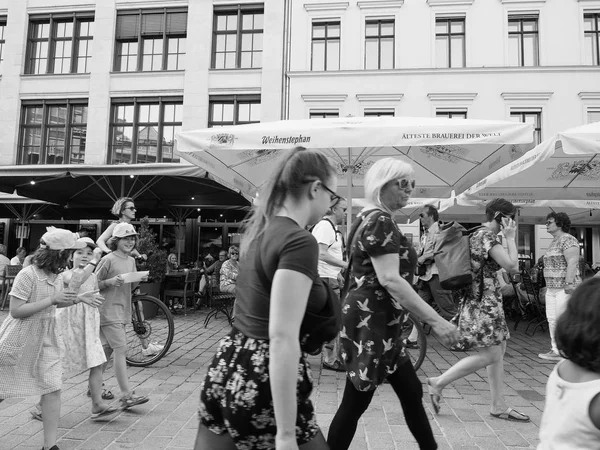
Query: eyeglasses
x,y
422,215
406,185
234,254
132,208
333,197
549,222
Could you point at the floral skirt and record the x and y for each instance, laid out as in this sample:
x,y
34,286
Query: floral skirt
x,y
236,395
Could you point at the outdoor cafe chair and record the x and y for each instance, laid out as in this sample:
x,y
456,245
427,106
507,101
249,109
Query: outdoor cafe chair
x,y
10,272
185,291
219,302
539,309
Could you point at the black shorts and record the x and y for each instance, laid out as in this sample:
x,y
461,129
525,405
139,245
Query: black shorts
x,y
236,395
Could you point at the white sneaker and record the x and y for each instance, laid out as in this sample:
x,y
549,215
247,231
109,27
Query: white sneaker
x,y
550,356
152,349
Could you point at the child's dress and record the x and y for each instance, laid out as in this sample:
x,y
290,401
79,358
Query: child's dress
x,y
80,328
30,362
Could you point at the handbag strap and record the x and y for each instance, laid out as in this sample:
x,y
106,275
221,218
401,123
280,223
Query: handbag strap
x,y
357,229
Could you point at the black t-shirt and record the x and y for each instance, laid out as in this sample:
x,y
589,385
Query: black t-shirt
x,y
284,245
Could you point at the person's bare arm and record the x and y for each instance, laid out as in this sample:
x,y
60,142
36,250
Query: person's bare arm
x,y
101,241
572,256
387,268
507,260
289,297
329,259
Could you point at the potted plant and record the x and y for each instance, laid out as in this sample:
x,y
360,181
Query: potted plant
x,y
156,262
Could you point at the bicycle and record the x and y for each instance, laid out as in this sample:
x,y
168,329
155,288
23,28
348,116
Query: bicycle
x,y
151,322
416,355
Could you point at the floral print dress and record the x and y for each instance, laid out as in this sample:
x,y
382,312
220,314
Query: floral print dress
x,y
371,318
481,320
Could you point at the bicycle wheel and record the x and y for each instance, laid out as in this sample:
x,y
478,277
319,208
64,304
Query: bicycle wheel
x,y
151,327
416,353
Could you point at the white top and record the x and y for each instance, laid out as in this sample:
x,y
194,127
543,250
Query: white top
x,y
325,234
15,261
566,423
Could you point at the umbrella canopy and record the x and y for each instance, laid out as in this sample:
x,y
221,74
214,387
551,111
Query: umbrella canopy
x,y
564,167
154,187
447,154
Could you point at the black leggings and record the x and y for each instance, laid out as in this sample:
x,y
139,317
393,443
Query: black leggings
x,y
408,388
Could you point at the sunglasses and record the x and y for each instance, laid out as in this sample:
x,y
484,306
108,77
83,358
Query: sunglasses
x,y
234,254
132,208
406,185
422,215
500,215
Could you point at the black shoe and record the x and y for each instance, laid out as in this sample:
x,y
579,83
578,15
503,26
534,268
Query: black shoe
x,y
411,344
337,366
459,348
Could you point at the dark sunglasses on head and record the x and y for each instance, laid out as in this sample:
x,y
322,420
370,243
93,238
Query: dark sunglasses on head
x,y
499,215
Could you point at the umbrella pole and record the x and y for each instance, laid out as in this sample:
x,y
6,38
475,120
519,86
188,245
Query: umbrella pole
x,y
349,187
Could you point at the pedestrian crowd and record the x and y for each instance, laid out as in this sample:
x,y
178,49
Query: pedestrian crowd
x,y
303,286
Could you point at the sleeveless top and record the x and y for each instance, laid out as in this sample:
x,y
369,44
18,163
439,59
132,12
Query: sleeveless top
x,y
566,423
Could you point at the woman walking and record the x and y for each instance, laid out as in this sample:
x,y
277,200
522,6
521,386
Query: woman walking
x,y
481,319
380,295
256,392
124,209
30,362
561,272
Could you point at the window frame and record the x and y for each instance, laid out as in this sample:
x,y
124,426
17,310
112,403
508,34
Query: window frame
x,y
52,20
326,40
449,113
45,127
235,100
135,125
515,17
3,22
379,38
239,10
448,39
323,113
592,110
379,112
139,54
522,112
595,15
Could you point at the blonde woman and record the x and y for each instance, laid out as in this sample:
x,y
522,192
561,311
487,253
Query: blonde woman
x,y
124,209
230,271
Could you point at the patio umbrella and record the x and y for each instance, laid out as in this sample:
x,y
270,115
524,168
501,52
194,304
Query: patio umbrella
x,y
448,154
561,172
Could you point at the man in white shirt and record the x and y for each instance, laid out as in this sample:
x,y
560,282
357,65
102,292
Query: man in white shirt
x,y
430,289
4,261
19,258
331,262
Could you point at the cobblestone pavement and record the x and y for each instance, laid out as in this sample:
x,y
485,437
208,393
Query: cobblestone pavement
x,y
169,420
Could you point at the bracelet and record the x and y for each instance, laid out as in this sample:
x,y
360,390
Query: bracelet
x,y
95,264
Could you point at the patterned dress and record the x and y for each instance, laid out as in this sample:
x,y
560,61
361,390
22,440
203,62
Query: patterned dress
x,y
80,327
30,361
372,320
481,321
555,263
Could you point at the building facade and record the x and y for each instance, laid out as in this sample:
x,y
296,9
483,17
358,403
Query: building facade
x,y
108,82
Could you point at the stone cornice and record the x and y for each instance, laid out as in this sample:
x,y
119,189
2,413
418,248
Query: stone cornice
x,y
524,3
60,9
231,91
54,95
326,7
324,98
589,95
380,4
527,96
379,97
434,3
452,96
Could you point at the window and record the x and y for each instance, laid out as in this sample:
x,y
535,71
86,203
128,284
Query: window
x,y
324,114
53,132
2,27
60,43
451,114
591,27
593,115
143,130
150,40
379,113
450,42
237,37
379,44
325,46
533,117
523,42
233,110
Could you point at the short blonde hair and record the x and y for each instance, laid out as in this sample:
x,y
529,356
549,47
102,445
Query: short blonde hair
x,y
381,173
119,206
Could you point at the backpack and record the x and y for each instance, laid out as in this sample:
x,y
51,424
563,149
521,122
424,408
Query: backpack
x,y
452,255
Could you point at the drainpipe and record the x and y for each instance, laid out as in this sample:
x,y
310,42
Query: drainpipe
x,y
285,63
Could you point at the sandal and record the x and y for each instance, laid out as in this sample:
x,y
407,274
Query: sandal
x,y
106,394
132,400
107,411
36,414
435,396
511,415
